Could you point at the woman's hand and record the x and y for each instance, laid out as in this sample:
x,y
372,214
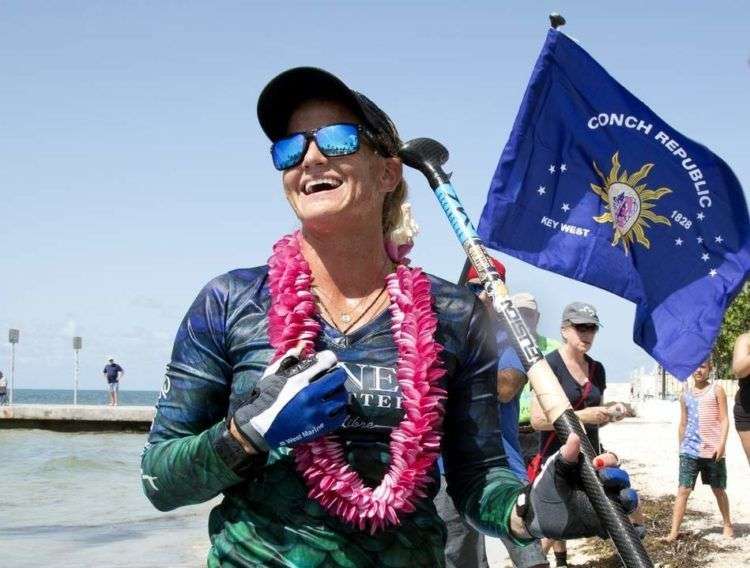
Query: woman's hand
x,y
294,402
597,415
617,411
555,506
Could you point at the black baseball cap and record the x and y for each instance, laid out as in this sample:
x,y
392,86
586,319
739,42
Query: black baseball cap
x,y
285,92
580,312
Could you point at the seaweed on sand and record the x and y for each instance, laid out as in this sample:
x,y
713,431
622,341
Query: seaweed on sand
x,y
690,550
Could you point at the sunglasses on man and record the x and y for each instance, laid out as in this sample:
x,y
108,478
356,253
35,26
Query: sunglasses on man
x,y
332,140
586,327
476,287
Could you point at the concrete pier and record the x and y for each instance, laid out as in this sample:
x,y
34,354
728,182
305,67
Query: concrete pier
x,y
78,418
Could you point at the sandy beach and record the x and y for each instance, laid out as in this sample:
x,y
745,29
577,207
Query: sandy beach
x,y
647,445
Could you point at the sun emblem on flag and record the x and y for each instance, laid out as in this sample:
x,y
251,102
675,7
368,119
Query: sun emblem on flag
x,y
628,205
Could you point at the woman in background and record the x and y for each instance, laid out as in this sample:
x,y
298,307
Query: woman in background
x,y
741,370
584,380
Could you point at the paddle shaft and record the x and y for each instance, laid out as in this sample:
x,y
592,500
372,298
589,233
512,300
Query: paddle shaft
x,y
547,388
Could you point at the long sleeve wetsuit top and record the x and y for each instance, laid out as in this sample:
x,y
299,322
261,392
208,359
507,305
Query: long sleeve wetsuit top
x,y
265,517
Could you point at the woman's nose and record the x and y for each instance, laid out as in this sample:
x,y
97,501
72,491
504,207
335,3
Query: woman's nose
x,y
313,155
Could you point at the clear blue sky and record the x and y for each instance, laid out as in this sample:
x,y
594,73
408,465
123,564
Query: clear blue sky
x,y
132,167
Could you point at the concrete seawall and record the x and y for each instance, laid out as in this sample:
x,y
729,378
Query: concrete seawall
x,y
79,418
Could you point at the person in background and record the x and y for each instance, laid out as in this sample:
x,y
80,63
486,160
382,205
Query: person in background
x,y
3,390
584,380
112,372
465,547
526,305
741,371
702,435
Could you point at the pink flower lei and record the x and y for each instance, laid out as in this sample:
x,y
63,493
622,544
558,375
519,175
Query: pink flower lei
x,y
415,443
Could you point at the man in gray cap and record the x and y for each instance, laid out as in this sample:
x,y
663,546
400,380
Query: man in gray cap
x,y
526,305
528,439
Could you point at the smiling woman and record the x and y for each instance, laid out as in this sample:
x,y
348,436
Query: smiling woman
x,y
344,193
317,392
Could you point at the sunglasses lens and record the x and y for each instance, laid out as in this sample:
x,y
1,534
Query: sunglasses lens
x,y
475,287
288,152
338,139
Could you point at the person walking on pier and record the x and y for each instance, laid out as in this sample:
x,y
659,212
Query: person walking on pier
x,y
112,372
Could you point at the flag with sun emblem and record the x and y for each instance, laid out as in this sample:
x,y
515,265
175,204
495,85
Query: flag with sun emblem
x,y
593,185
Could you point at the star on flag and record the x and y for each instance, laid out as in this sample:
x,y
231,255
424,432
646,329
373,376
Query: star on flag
x,y
542,190
552,168
718,239
712,272
704,257
565,207
700,240
700,216
678,242
563,168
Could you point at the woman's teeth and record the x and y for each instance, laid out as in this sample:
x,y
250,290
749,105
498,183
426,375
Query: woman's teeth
x,y
323,184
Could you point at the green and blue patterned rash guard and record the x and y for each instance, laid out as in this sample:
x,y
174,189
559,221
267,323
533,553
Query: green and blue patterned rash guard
x,y
266,518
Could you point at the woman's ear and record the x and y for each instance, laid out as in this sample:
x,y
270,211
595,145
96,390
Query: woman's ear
x,y
391,174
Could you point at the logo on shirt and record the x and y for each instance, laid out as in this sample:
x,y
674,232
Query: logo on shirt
x,y
372,385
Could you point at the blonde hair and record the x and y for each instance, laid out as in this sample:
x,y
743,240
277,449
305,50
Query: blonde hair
x,y
392,216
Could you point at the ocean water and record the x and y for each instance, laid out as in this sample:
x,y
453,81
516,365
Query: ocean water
x,y
65,396
75,500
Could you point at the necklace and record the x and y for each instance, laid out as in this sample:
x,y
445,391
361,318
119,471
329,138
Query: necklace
x,y
346,318
415,442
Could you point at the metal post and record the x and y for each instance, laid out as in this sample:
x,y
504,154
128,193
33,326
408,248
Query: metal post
x,y
13,335
77,344
75,378
12,372
663,383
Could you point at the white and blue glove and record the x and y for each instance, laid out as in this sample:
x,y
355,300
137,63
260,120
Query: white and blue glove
x,y
295,401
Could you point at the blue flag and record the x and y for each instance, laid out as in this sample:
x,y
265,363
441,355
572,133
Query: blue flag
x,y
593,185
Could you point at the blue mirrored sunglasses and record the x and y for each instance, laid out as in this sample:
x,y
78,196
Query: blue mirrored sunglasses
x,y
332,140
